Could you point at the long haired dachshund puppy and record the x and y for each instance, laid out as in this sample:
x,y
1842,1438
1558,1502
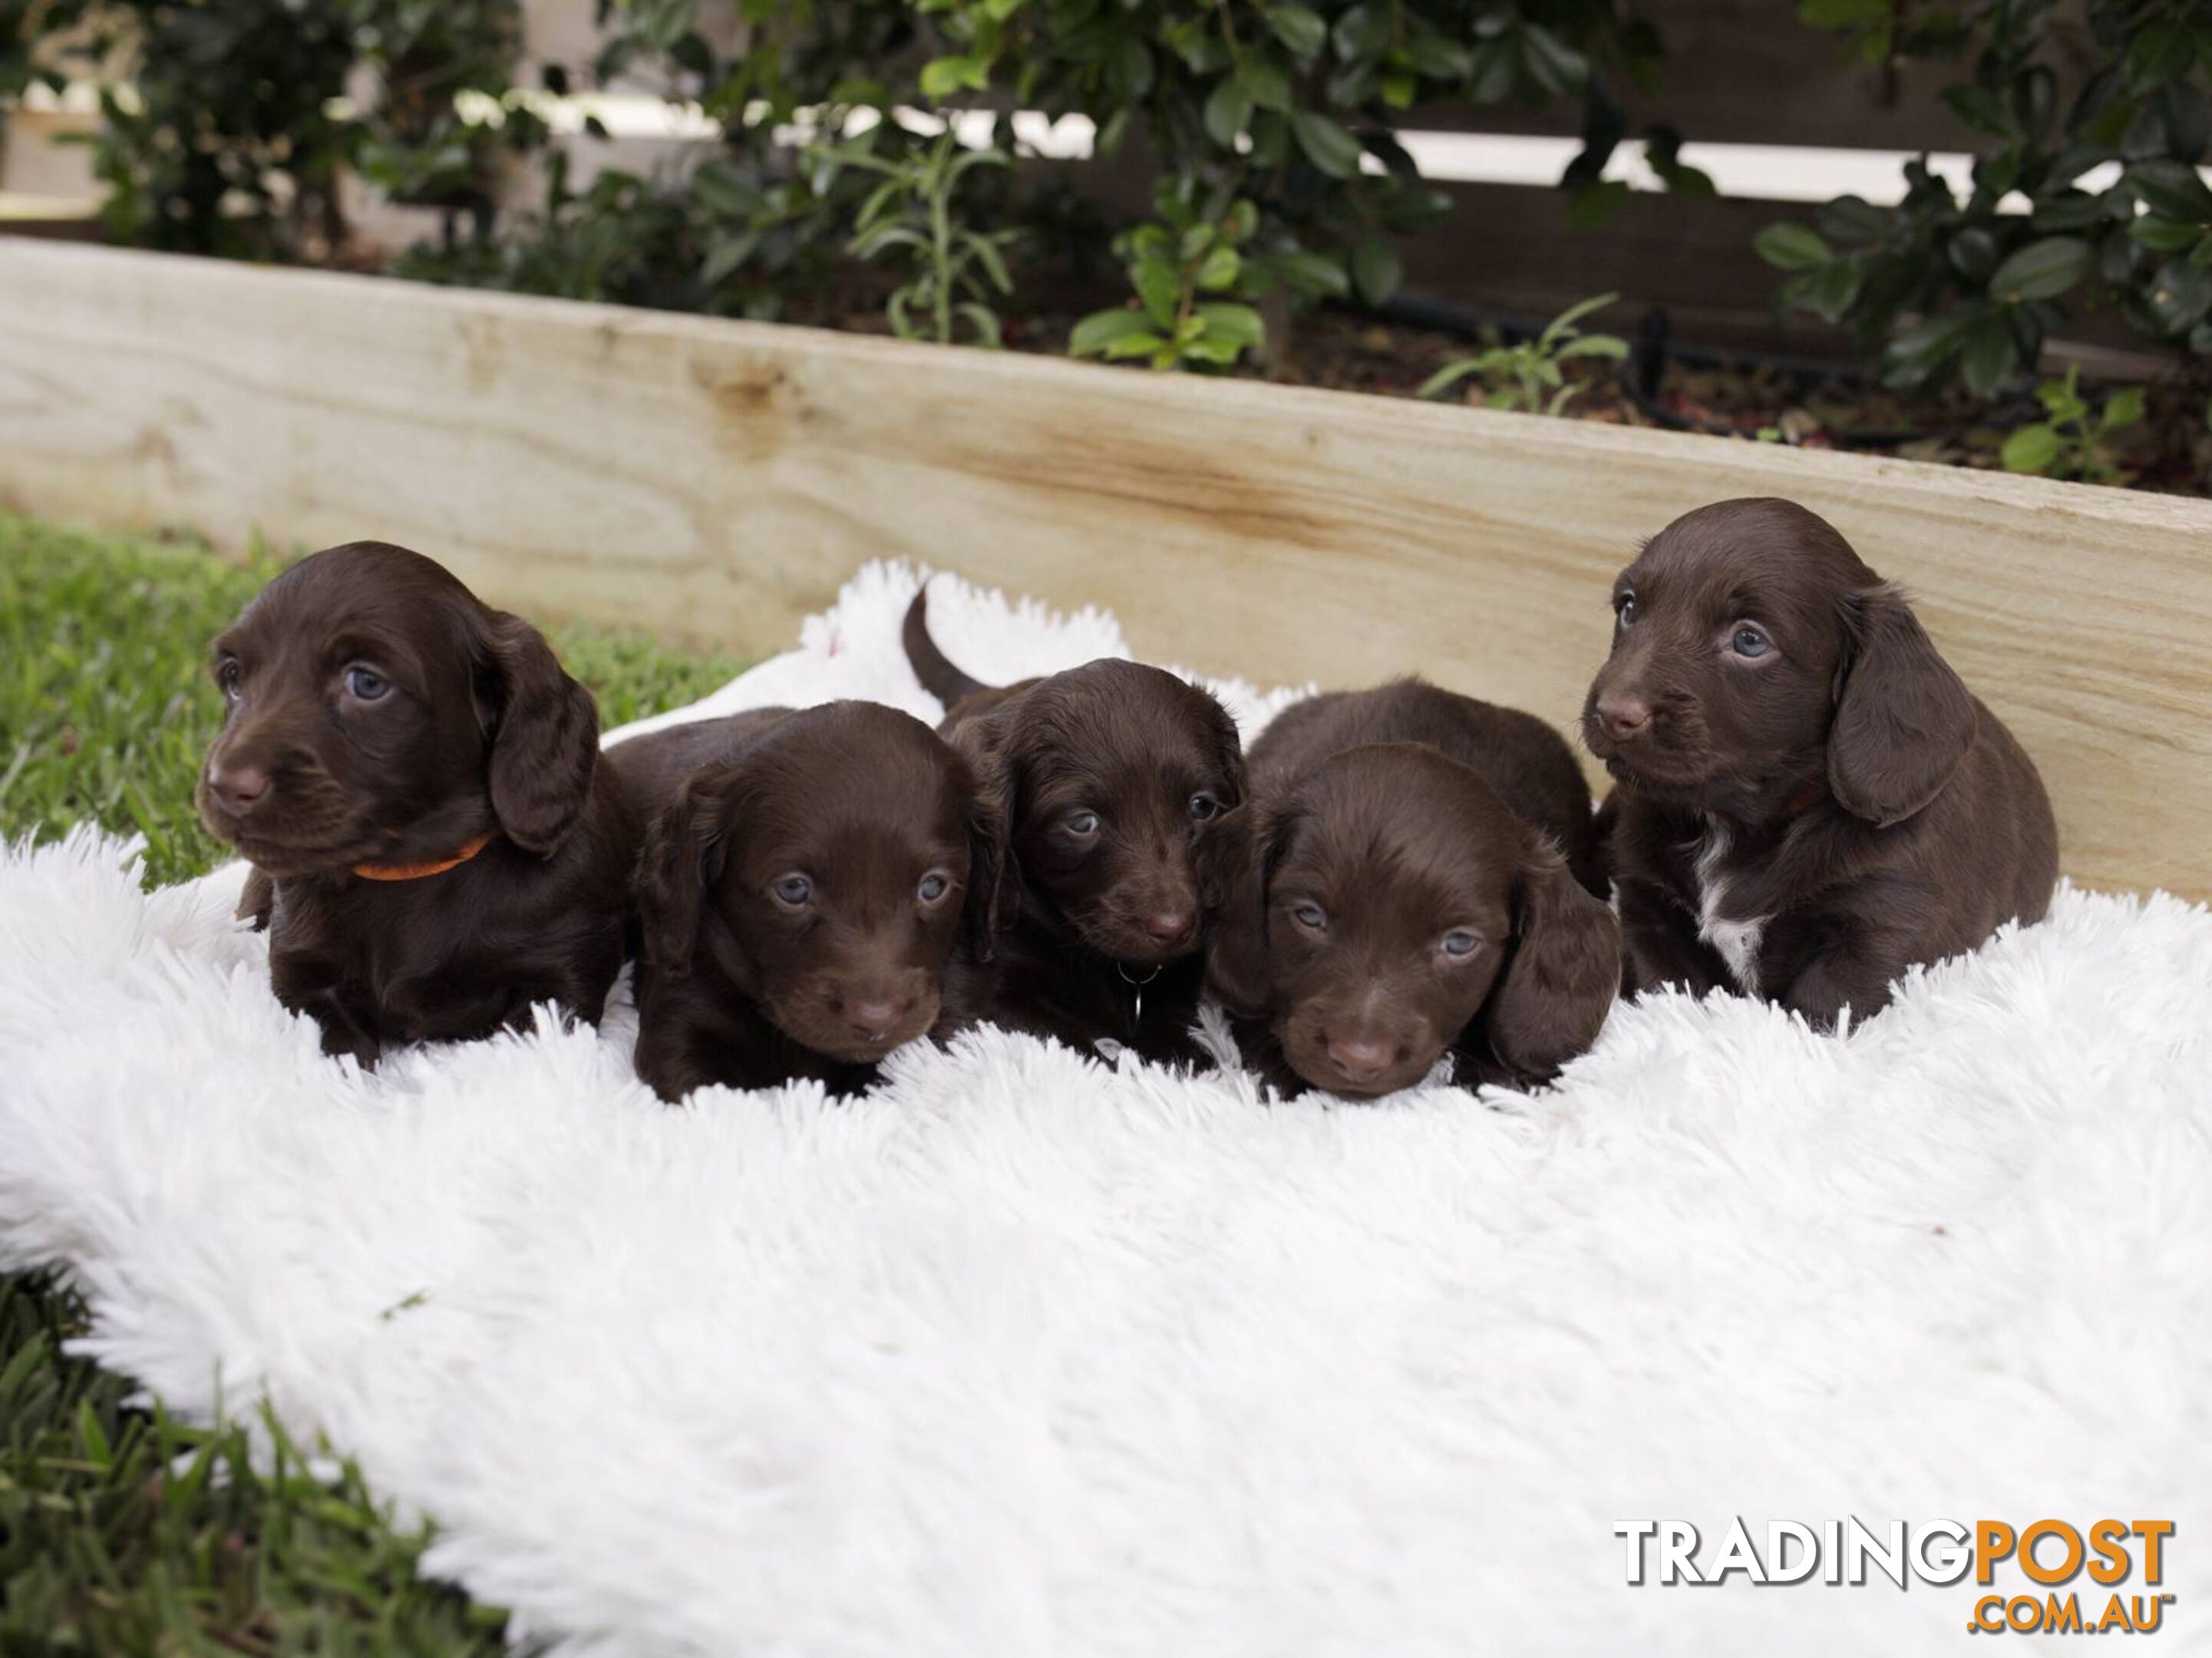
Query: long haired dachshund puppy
x,y
1108,776
817,888
1397,891
417,784
1809,801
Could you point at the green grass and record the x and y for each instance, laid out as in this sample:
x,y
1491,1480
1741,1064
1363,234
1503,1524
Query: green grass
x,y
122,1531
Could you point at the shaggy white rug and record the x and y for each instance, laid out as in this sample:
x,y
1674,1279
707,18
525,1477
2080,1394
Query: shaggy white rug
x,y
1028,1355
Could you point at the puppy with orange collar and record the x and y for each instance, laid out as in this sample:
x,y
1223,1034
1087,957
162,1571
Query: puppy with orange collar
x,y
436,845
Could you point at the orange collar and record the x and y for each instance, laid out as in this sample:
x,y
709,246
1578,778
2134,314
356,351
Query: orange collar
x,y
416,872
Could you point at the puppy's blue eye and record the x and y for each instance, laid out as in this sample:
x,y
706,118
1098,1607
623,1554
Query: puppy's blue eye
x,y
1625,610
366,684
931,888
792,890
1082,822
1310,915
1203,806
1461,942
1749,641
231,678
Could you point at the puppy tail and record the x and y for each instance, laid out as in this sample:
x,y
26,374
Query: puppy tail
x,y
939,676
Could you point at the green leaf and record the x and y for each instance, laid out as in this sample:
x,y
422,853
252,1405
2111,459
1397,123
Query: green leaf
x,y
1788,247
2174,189
1220,270
1593,345
2124,407
1240,222
1854,219
1376,269
1300,29
2030,449
1264,84
1916,352
724,190
1101,329
1160,286
1325,144
1138,345
943,76
2164,235
1552,64
2180,295
726,254
984,320
1973,251
1449,376
1399,88
1566,321
2043,270
1239,323
1362,32
2159,54
1989,355
1978,108
1315,275
1228,112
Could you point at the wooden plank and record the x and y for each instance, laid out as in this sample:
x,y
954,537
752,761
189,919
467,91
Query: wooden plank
x,y
717,480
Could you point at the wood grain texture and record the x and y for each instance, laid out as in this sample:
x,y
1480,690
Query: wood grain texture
x,y
718,480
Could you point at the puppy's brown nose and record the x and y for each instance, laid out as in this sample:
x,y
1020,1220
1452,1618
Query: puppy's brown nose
x,y
1170,927
1359,1061
1624,716
877,1017
237,787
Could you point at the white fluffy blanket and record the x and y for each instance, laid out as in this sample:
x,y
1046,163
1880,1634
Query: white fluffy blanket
x,y
1026,1354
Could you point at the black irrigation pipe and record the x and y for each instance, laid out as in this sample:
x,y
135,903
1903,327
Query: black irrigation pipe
x,y
1645,366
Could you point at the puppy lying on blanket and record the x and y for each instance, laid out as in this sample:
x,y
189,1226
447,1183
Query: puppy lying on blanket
x,y
1106,777
1397,890
1809,801
816,890
417,784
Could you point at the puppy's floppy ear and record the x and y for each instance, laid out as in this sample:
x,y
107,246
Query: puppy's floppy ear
x,y
1230,750
544,735
1904,720
991,873
1235,855
1551,1000
988,748
685,850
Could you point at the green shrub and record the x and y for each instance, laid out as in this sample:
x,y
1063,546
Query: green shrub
x,y
1938,286
224,124
1290,108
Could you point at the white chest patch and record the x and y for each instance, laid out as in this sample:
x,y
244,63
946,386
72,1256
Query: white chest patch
x,y
1737,938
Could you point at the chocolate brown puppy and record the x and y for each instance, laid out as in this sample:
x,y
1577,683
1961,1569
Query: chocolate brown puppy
x,y
1809,801
1107,775
417,784
1397,891
817,888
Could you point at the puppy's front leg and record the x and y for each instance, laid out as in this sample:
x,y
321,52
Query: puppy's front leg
x,y
1839,978
1660,944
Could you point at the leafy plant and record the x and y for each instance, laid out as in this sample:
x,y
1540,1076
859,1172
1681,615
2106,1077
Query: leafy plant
x,y
1939,285
1291,107
225,124
952,270
2071,443
1175,261
1528,375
